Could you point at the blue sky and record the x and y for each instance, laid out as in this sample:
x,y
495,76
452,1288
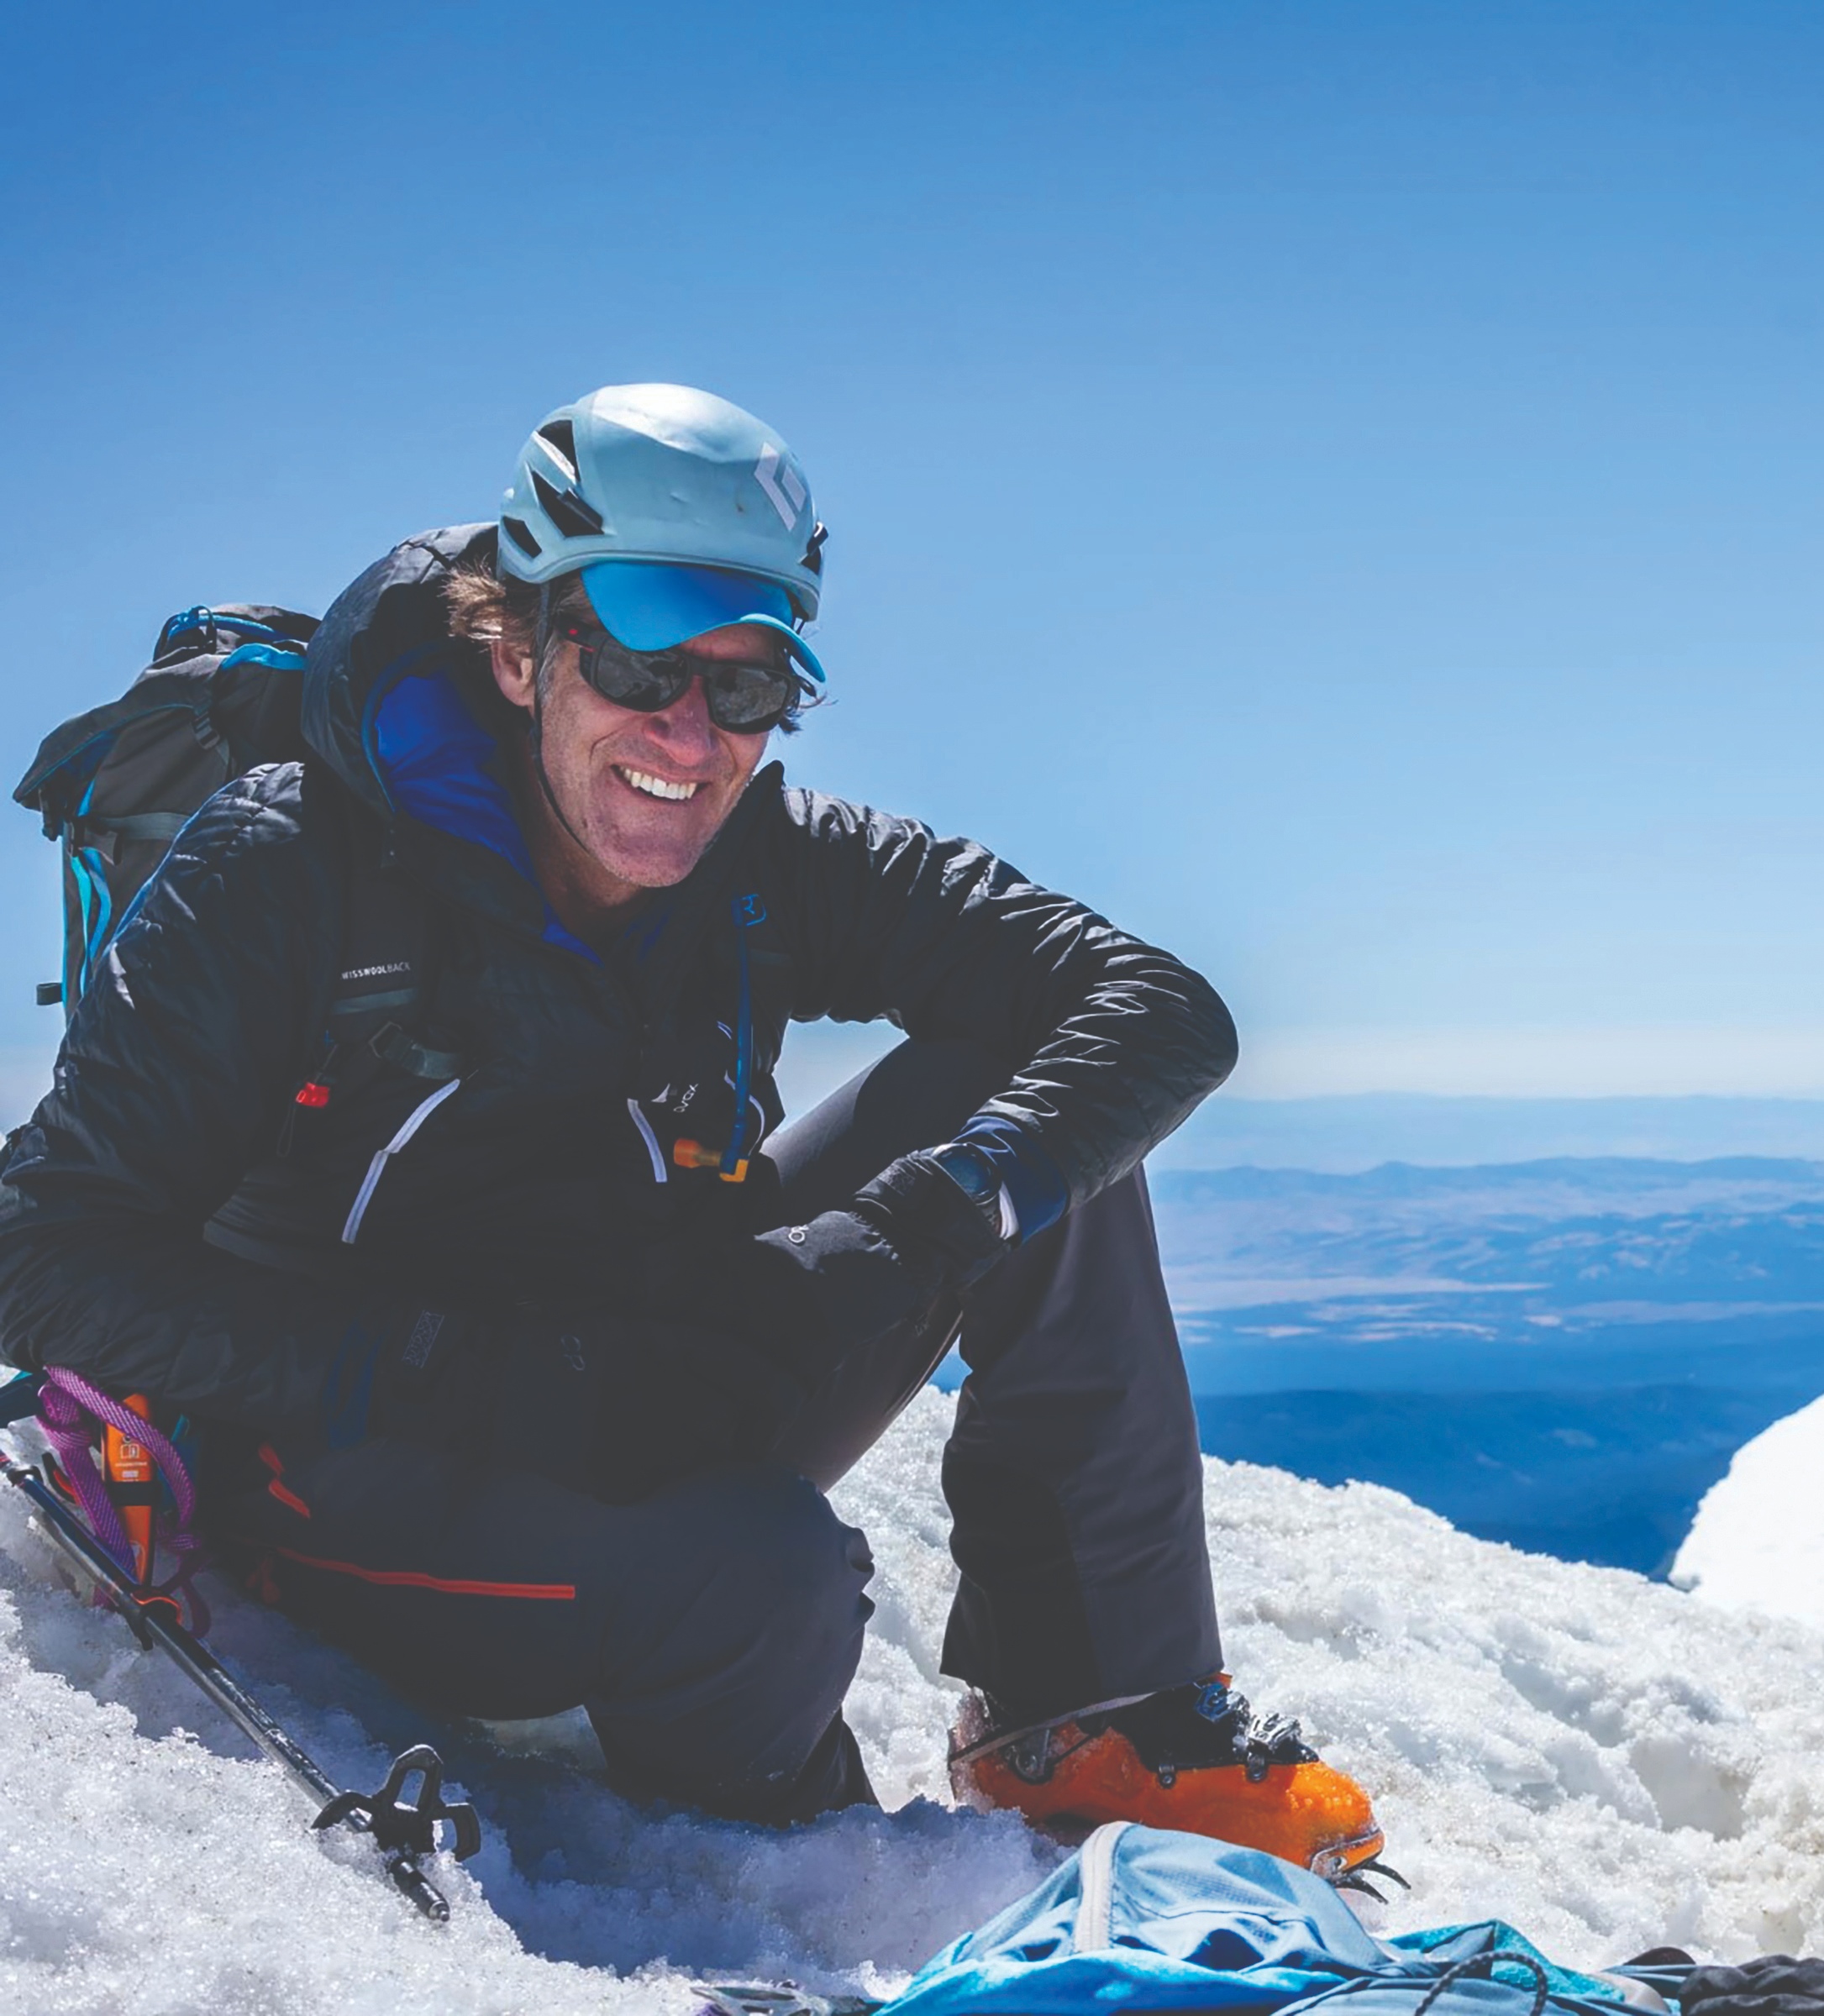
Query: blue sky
x,y
1336,485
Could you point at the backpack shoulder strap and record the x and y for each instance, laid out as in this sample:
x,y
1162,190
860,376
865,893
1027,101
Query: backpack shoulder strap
x,y
382,979
383,970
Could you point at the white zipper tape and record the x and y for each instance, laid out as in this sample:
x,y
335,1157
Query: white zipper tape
x,y
377,1168
660,1173
1095,1878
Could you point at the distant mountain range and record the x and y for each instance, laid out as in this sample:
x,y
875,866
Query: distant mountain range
x,y
1563,1354
1361,1130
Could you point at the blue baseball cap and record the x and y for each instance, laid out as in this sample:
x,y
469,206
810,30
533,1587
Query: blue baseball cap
x,y
652,606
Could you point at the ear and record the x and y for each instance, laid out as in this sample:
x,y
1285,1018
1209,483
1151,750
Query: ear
x,y
513,672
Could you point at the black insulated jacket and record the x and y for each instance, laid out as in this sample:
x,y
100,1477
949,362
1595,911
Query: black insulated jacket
x,y
173,1222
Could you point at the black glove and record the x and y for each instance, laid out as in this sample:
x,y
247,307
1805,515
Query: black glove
x,y
1773,1985
947,1199
805,1295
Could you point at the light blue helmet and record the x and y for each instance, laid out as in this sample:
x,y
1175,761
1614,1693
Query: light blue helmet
x,y
681,512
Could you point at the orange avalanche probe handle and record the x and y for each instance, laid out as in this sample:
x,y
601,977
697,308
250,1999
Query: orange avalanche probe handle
x,y
132,1485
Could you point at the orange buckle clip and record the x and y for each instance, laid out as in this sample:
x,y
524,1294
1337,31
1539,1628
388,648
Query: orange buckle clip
x,y
693,1155
313,1095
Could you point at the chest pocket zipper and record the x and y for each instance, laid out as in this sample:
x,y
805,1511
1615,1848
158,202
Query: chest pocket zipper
x,y
377,1168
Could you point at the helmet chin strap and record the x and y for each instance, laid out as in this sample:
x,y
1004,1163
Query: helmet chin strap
x,y
535,727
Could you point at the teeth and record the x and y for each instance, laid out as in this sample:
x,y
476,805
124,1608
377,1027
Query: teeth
x,y
657,787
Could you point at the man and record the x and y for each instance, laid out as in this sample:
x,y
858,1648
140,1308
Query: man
x,y
524,1348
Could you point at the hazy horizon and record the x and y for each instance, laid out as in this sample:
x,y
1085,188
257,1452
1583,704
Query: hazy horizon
x,y
1336,1133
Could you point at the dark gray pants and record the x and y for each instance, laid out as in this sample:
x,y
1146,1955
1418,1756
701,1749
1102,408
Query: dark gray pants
x,y
712,1629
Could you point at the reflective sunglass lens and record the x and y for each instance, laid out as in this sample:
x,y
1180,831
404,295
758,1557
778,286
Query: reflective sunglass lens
x,y
747,698
629,681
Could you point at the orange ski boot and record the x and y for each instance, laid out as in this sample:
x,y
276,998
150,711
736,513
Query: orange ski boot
x,y
1194,1758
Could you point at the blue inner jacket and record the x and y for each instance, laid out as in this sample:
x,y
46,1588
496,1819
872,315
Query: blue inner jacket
x,y
439,766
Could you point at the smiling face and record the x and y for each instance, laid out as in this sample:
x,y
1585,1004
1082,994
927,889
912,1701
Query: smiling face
x,y
639,797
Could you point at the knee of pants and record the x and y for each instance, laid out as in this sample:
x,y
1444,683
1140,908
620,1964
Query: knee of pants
x,y
916,1094
762,1636
764,1569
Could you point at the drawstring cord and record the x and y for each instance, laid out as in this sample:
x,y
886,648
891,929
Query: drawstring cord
x,y
748,911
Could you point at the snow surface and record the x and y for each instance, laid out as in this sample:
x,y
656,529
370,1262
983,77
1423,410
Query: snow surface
x,y
1610,1763
1758,1539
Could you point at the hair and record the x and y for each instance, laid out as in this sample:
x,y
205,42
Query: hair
x,y
485,606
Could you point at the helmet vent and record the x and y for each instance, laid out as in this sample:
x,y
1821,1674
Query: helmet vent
x,y
520,533
574,516
560,436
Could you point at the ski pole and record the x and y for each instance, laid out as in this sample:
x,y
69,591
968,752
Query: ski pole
x,y
401,1832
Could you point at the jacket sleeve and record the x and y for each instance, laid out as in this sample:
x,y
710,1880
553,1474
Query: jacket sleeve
x,y
1110,1043
172,1079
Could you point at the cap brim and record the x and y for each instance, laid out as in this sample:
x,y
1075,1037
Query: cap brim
x,y
648,606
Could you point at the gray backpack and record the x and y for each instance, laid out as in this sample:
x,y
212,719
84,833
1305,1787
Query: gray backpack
x,y
114,786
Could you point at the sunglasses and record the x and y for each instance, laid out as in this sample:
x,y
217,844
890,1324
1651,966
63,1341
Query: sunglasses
x,y
745,697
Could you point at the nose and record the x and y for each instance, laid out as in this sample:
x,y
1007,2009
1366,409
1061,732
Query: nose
x,y
684,728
